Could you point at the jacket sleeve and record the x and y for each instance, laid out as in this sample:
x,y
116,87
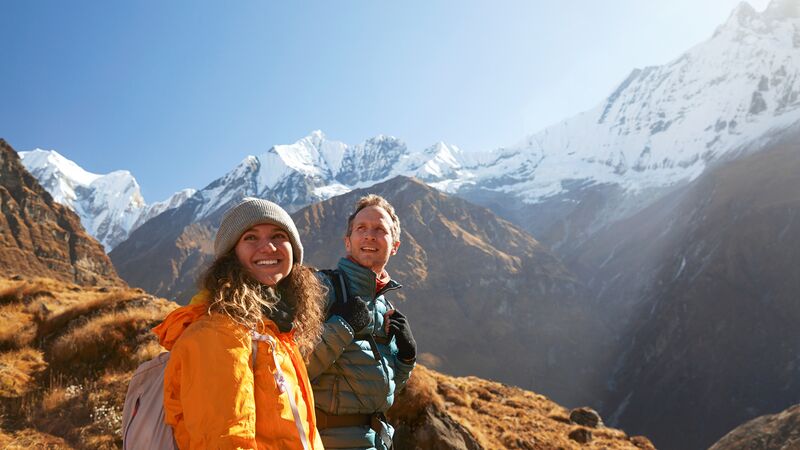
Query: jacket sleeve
x,y
208,391
336,336
402,372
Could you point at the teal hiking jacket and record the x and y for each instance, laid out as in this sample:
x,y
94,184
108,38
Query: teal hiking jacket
x,y
345,375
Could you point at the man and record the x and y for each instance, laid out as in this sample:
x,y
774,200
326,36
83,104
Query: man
x,y
367,351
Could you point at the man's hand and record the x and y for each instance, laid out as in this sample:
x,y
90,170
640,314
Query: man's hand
x,y
397,326
355,312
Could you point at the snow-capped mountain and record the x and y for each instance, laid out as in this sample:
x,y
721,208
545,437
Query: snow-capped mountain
x,y
315,168
663,125
666,124
110,206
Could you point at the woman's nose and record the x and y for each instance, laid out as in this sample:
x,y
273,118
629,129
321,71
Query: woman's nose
x,y
267,244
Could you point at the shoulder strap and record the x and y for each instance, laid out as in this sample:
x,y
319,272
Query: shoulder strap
x,y
342,291
280,382
339,287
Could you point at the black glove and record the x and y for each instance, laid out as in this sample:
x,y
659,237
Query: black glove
x,y
401,330
355,312
283,310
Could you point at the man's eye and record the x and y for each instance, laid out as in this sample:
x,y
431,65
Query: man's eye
x,y
280,236
249,237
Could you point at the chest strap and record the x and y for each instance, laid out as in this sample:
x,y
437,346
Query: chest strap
x,y
281,383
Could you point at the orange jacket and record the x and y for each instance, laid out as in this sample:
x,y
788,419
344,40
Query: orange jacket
x,y
212,399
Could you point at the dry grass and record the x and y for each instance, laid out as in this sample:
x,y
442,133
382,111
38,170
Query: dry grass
x,y
17,370
66,355
18,329
28,438
504,417
109,340
17,291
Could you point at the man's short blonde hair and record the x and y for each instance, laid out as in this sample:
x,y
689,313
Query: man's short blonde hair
x,y
376,200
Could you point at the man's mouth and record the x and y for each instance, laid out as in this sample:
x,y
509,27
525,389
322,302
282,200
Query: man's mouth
x,y
266,262
369,249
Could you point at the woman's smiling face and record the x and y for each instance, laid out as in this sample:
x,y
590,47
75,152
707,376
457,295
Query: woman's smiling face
x,y
265,252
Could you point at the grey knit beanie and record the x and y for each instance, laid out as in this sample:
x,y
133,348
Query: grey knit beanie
x,y
248,213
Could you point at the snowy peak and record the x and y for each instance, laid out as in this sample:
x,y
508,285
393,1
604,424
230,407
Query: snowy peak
x,y
57,174
666,124
782,9
316,168
110,206
371,161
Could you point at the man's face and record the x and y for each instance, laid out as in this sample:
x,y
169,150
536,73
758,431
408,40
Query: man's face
x,y
370,242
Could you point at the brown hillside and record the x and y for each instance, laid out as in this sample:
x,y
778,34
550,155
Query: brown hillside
x,y
484,298
39,237
66,355
439,411
471,280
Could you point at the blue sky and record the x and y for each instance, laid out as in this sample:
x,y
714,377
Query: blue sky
x,y
178,92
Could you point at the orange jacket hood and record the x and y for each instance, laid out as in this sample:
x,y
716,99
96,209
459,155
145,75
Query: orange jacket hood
x,y
179,319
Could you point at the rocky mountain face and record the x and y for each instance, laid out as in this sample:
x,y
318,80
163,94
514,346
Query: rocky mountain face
x,y
771,432
483,296
41,237
110,206
662,126
481,291
709,274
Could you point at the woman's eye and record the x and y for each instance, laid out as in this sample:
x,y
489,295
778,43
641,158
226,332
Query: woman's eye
x,y
280,236
249,237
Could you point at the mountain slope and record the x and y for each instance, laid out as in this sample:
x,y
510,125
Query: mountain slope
x,y
714,341
41,237
662,127
483,296
771,432
470,273
66,362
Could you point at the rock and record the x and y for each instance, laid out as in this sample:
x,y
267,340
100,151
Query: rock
x,y
642,442
17,277
580,435
776,431
434,429
586,417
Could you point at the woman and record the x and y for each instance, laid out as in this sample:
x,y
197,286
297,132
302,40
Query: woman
x,y
260,305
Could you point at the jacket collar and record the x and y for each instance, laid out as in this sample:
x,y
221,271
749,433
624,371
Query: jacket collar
x,y
362,280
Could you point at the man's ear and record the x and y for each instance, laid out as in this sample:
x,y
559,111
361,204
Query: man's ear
x,y
347,244
395,246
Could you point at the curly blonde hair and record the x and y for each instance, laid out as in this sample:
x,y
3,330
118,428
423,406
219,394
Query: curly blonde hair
x,y
239,296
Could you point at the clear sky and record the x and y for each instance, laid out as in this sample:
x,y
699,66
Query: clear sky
x,y
179,91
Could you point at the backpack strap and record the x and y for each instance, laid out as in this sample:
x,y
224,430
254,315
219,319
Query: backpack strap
x,y
280,381
339,287
342,291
